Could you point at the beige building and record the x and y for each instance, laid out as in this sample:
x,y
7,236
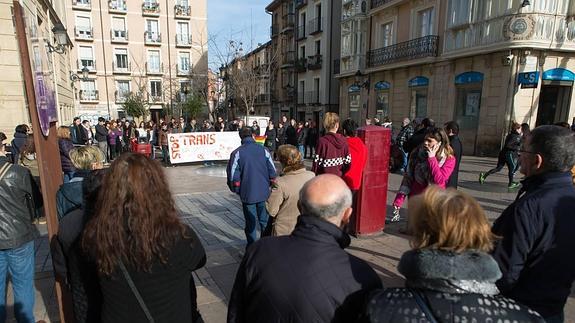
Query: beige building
x,y
41,16
317,45
483,63
152,48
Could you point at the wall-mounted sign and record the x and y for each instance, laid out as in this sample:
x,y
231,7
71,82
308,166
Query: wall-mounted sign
x,y
382,85
354,88
469,77
418,81
528,80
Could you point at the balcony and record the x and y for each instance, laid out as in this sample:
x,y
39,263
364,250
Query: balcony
x,y
121,68
153,69
300,32
312,97
263,99
301,65
315,26
288,21
87,96
89,63
121,96
82,5
314,62
155,98
182,97
274,30
152,38
182,70
412,49
151,9
117,6
182,12
84,33
300,3
300,98
119,36
378,3
183,41
288,59
352,63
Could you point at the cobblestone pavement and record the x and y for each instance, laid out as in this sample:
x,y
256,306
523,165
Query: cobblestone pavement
x,y
215,214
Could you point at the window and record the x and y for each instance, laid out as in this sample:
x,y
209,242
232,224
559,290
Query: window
x,y
154,61
88,90
83,27
118,5
317,47
387,34
301,92
302,52
119,27
156,88
153,30
354,98
184,90
121,58
184,62
151,4
425,22
183,33
123,89
459,12
184,3
382,104
86,56
318,10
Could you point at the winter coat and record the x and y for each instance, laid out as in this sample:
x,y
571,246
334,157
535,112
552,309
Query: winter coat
x,y
250,172
537,242
291,136
20,199
113,136
66,146
332,155
358,152
281,136
31,163
455,143
415,141
404,135
301,135
271,139
17,144
69,196
101,133
282,203
163,137
512,142
303,277
312,137
456,287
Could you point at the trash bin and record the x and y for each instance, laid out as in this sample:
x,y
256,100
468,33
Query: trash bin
x,y
371,207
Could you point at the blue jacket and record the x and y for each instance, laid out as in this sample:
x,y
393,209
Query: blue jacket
x,y
535,253
250,172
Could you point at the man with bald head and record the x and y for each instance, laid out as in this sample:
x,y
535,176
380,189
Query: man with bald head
x,y
306,276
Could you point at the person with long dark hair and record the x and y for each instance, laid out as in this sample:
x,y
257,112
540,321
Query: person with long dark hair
x,y
141,248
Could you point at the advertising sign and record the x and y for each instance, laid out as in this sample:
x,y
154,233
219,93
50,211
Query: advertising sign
x,y
528,79
202,146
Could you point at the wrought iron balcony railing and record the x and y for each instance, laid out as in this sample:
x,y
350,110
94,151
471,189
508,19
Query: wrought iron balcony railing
x,y
89,95
182,70
416,48
301,65
182,11
379,3
89,63
300,32
314,62
152,38
151,8
315,26
118,6
312,97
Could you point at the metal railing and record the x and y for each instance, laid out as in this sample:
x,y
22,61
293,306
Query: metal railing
x,y
312,97
314,62
301,65
151,8
117,5
315,25
183,40
379,3
155,98
154,70
416,48
182,11
300,32
182,72
89,95
89,63
84,33
119,35
121,68
288,21
152,37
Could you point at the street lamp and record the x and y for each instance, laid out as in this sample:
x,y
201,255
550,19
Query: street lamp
x,y
61,39
363,83
76,77
525,3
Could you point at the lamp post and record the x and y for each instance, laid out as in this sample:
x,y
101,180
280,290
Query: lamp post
x,y
61,36
363,82
76,77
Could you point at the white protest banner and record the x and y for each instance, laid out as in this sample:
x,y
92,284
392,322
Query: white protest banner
x,y
202,146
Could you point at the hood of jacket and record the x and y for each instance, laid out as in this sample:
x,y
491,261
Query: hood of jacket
x,y
337,140
470,271
313,228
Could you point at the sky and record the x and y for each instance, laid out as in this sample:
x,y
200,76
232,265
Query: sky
x,y
243,21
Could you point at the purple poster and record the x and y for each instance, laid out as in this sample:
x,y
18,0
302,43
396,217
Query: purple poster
x,y
44,77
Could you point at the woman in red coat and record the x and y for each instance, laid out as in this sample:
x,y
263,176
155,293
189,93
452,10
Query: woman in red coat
x,y
358,152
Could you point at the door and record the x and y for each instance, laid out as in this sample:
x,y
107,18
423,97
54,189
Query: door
x,y
468,103
554,104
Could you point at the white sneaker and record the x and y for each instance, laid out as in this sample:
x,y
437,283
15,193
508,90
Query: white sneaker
x,y
396,216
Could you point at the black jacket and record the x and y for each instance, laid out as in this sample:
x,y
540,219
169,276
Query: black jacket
x,y
19,200
101,133
512,141
303,277
16,146
271,139
281,135
415,140
301,136
458,152
291,136
535,254
457,287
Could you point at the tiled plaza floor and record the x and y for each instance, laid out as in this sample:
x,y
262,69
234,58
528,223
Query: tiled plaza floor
x,y
215,214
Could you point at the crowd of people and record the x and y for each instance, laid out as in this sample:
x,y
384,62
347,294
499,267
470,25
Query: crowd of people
x,y
123,256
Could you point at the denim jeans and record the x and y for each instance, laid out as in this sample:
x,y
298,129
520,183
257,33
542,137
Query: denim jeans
x,y
405,159
254,213
301,149
19,262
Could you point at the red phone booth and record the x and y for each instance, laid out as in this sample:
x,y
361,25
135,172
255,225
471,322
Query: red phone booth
x,y
372,196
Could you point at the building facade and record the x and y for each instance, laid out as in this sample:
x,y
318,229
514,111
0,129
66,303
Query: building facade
x,y
40,17
151,48
483,63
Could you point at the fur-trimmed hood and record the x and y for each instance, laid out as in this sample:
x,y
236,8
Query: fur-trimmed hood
x,y
451,272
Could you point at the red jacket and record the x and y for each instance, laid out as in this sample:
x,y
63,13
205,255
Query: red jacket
x,y
358,152
332,155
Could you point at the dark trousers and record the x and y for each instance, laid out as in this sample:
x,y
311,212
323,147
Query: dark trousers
x,y
255,213
165,155
508,158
